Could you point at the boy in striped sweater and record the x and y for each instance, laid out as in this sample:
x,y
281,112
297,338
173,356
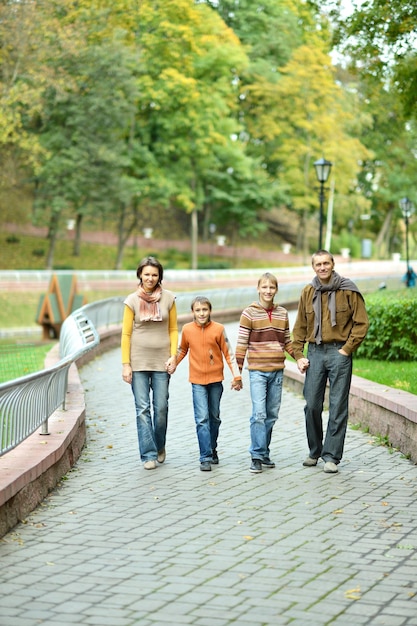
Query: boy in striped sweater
x,y
264,338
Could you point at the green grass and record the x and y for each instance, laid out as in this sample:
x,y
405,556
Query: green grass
x,y
22,359
398,375
18,309
30,253
25,252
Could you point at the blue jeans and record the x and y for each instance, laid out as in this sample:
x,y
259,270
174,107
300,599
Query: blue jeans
x,y
266,392
151,430
326,363
206,401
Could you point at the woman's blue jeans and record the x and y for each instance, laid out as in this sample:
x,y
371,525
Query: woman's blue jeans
x,y
326,363
266,393
152,422
206,401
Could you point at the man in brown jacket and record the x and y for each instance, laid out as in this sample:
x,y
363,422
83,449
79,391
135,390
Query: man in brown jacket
x,y
332,320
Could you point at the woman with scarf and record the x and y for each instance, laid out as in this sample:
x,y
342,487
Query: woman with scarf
x,y
149,348
332,320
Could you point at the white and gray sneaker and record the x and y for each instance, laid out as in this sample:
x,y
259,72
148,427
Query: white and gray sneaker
x,y
309,462
330,468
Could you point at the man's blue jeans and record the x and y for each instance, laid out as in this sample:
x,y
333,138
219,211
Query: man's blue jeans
x,y
326,363
266,393
151,428
206,401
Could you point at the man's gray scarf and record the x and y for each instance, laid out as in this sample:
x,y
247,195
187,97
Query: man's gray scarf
x,y
336,282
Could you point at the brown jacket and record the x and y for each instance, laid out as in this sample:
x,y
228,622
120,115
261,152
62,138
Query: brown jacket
x,y
351,321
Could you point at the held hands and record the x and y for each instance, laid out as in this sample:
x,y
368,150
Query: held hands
x,y
171,364
236,385
303,365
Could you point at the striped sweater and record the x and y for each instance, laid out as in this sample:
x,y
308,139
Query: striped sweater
x,y
264,337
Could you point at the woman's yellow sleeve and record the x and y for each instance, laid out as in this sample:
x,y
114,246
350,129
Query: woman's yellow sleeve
x,y
127,328
173,329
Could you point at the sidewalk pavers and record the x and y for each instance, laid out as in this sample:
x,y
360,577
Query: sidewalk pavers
x,y
116,544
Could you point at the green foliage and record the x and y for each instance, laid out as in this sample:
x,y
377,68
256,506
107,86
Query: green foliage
x,y
392,334
380,36
345,239
214,265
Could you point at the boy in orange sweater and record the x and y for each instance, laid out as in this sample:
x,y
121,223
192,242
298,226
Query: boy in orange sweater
x,y
207,344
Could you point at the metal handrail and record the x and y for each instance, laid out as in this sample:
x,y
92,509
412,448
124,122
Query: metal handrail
x,y
26,403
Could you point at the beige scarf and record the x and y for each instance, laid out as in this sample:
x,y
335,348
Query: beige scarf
x,y
149,310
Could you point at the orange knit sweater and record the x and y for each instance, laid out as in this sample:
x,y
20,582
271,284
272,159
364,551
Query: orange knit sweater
x,y
207,345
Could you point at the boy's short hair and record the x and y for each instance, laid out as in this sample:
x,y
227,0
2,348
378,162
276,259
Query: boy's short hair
x,y
202,300
268,276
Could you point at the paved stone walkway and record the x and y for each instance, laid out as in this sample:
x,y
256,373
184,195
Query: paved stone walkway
x,y
121,546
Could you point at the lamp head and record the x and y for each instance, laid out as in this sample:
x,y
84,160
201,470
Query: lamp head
x,y
406,207
323,168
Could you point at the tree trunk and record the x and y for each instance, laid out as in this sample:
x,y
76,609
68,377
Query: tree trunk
x,y
383,239
77,238
52,235
194,239
302,245
124,234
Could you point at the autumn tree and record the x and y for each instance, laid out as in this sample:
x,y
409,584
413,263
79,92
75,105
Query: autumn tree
x,y
377,40
291,106
21,84
83,127
188,118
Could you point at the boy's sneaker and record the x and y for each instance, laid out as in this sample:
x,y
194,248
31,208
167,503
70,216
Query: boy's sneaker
x,y
256,466
205,466
215,457
268,463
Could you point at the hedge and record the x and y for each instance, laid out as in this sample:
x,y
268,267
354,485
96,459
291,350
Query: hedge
x,y
392,334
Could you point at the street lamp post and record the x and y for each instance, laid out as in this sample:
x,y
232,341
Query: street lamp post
x,y
323,168
407,209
